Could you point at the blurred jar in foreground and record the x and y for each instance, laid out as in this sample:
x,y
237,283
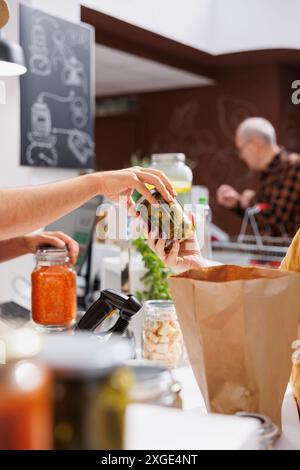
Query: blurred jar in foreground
x,y
25,394
174,166
162,337
91,390
53,290
154,385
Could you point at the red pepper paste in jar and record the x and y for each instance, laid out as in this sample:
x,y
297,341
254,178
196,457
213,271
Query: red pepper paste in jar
x,y
53,289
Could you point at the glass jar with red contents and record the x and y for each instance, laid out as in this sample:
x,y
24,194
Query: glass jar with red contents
x,y
25,392
53,297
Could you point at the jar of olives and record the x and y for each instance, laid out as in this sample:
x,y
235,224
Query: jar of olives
x,y
168,218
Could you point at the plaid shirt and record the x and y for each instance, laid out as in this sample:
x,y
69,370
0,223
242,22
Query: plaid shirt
x,y
279,186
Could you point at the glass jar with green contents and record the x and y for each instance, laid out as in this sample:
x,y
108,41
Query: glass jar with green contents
x,y
91,390
167,218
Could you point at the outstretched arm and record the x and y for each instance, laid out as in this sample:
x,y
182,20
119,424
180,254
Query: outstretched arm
x,y
23,210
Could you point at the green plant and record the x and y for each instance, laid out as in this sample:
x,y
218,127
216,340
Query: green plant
x,y
155,279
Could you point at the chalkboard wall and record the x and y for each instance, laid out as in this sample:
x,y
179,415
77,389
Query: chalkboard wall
x,y
57,92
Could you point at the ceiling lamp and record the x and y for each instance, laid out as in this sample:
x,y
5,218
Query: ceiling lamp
x,y
11,59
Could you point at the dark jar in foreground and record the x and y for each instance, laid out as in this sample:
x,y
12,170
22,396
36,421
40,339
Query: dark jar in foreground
x,y
53,298
91,389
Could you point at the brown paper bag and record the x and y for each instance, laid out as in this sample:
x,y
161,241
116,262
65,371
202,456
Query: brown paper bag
x,y
238,324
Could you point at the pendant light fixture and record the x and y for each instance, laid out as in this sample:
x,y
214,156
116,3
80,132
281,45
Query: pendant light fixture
x,y
11,55
11,59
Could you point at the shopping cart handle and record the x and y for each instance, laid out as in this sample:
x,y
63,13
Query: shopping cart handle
x,y
258,208
263,206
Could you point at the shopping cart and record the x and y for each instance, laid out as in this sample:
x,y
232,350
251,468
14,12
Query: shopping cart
x,y
254,249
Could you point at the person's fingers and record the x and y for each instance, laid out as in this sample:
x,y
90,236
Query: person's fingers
x,y
151,243
196,263
152,238
49,240
131,208
142,189
160,249
72,245
156,181
145,228
172,258
192,217
164,178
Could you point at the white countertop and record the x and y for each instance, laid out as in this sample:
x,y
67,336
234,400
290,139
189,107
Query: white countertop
x,y
290,437
161,430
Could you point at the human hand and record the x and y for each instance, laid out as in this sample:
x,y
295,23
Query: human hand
x,y
227,196
246,198
56,239
182,256
122,183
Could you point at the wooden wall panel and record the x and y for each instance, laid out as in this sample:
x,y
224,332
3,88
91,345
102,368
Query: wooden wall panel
x,y
201,123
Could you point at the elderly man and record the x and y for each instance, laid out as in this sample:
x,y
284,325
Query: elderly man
x,y
279,184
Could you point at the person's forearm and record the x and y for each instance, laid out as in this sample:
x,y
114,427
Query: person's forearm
x,y
23,210
12,248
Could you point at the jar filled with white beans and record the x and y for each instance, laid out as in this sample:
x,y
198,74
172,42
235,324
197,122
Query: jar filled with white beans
x,y
162,337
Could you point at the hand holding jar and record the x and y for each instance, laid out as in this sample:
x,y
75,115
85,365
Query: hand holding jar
x,y
53,290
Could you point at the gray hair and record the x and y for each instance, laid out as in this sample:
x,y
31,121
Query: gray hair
x,y
257,127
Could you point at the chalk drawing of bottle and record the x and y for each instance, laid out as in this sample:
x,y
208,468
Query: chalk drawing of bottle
x,y
41,151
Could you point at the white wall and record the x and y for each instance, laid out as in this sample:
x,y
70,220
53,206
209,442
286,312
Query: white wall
x,y
186,21
255,24
217,26
11,173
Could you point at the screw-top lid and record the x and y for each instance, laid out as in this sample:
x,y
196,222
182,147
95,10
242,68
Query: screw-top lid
x,y
151,380
48,253
167,157
84,354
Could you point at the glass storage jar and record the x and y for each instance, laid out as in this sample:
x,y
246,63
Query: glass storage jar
x,y
91,388
162,337
25,394
174,166
53,297
154,384
168,218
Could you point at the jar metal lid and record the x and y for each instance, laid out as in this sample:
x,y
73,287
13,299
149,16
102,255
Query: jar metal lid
x,y
49,253
160,310
167,157
163,304
268,431
151,381
84,354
